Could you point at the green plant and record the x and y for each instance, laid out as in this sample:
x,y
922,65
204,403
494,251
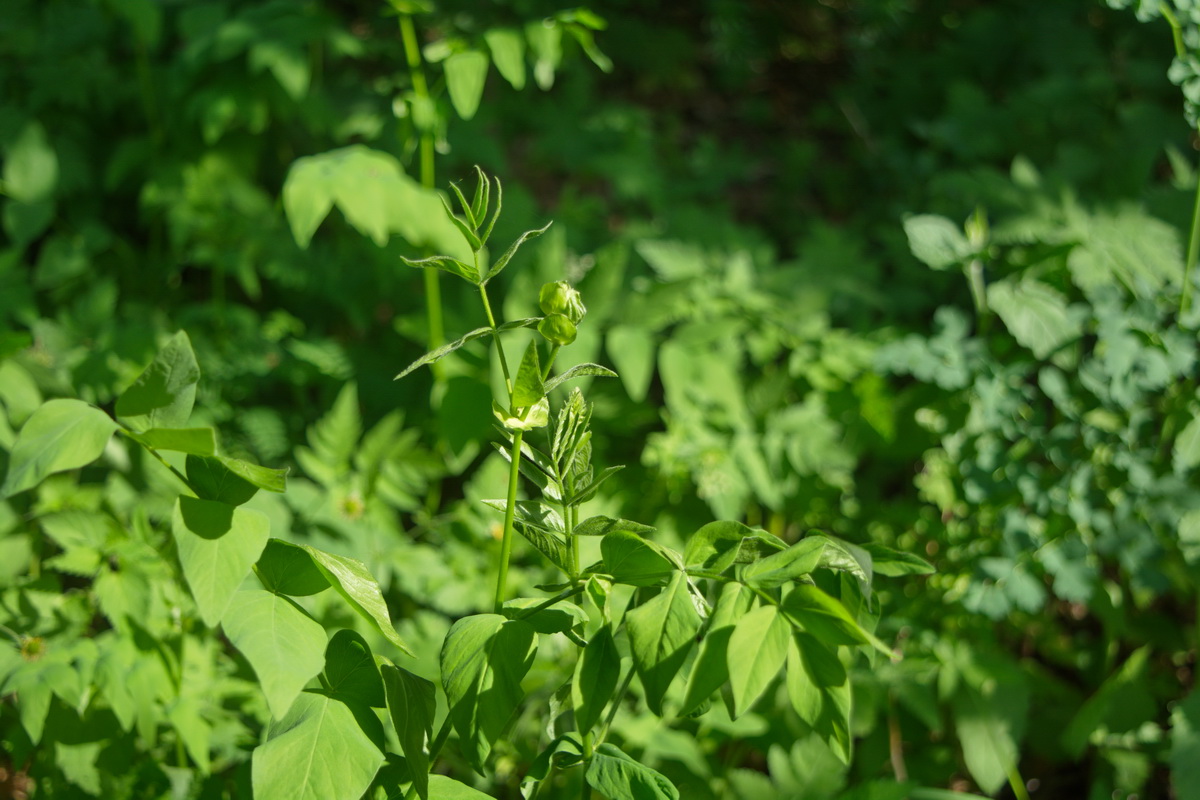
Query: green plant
x,y
753,603
1065,418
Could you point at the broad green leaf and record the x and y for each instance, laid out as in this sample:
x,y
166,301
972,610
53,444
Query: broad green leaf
x,y
596,674
1122,695
374,195
60,435
1035,314
30,166
826,618
354,583
465,75
285,645
411,702
894,563
819,689
987,731
286,568
478,333
602,526
528,387
936,241
316,752
630,559
1186,453
711,668
163,395
508,54
197,441
503,260
1185,747
211,479
757,649
217,544
483,659
350,671
578,371
719,545
615,775
661,632
442,787
545,43
273,480
787,565
632,351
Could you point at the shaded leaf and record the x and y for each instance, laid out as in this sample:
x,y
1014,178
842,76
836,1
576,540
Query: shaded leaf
x,y
661,632
163,395
217,545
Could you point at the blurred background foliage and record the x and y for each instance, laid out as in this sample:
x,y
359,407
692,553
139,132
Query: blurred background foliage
x,y
763,204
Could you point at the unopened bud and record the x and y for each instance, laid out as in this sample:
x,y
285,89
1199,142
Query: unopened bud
x,y
561,297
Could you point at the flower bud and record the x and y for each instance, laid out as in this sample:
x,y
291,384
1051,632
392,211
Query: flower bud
x,y
557,329
561,297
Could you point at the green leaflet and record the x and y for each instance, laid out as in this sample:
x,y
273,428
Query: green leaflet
x,y
231,480
661,632
357,587
528,388
217,544
596,674
198,441
316,752
787,565
350,671
286,568
442,787
508,54
757,649
819,689
465,75
163,395
285,646
936,241
719,545
482,661
826,618
711,668
60,435
636,561
411,703
615,775
1035,314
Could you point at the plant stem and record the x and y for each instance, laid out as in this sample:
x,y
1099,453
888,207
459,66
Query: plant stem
x,y
585,789
509,511
1192,252
433,291
487,307
1176,29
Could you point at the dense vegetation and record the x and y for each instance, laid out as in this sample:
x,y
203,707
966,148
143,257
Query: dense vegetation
x,y
882,282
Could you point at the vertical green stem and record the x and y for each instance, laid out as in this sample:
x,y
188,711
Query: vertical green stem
x,y
433,291
509,510
585,789
487,307
1192,252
